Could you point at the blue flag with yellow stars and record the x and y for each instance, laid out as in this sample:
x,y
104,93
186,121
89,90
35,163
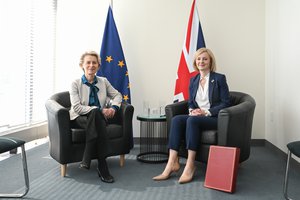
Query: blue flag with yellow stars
x,y
113,64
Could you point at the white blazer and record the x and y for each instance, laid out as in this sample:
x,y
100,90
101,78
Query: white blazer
x,y
80,92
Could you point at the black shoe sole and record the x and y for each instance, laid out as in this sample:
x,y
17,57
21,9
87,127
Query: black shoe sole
x,y
109,179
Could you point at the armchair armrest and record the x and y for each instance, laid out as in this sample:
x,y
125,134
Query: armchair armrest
x,y
58,128
127,115
178,108
235,127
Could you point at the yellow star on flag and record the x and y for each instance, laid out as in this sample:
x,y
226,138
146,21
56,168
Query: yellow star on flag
x,y
121,63
128,86
108,59
126,73
125,97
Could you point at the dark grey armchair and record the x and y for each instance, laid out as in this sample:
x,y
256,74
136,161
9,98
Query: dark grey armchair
x,y
67,143
234,126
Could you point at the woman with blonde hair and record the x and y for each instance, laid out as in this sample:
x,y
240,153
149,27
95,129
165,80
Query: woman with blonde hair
x,y
208,94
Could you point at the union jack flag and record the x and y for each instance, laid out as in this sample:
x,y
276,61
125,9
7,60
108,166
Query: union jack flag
x,y
193,40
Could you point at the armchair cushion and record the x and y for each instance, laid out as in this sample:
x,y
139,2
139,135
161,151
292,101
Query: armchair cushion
x,y
209,137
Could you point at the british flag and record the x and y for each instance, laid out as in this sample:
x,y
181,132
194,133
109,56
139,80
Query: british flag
x,y
193,40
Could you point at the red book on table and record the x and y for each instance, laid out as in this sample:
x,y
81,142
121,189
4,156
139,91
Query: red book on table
x,y
222,165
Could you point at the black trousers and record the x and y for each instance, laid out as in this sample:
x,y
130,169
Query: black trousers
x,y
94,124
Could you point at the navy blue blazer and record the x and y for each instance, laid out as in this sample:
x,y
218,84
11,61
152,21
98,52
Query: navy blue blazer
x,y
218,92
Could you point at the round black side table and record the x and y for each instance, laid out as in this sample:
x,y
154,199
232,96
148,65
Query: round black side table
x,y
153,139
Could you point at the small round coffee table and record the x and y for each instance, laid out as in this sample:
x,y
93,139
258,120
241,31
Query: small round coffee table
x,y
153,139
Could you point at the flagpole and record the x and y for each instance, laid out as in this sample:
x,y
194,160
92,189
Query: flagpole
x,y
111,4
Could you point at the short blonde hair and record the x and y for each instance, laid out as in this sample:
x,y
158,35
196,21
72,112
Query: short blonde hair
x,y
89,53
212,66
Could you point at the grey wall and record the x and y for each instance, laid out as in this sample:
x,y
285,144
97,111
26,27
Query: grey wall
x,y
282,72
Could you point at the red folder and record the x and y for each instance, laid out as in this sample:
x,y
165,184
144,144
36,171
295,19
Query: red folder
x,y
222,165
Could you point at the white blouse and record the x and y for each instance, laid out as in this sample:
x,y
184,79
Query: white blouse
x,y
202,94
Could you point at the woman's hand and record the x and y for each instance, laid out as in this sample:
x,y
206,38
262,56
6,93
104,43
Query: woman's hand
x,y
108,112
198,112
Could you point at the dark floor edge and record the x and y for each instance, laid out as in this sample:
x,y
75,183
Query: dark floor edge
x,y
269,145
275,149
281,153
254,142
136,140
258,142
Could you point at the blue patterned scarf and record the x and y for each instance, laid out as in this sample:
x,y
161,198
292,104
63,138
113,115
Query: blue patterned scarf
x,y
93,98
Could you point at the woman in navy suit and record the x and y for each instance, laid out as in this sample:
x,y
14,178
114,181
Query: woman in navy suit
x,y
208,94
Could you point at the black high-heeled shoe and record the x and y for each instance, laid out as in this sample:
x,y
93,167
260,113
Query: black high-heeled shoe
x,y
105,178
103,171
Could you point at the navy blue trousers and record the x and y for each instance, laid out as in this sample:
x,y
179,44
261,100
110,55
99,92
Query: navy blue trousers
x,y
191,128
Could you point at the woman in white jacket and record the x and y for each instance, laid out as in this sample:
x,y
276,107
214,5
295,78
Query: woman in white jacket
x,y
88,110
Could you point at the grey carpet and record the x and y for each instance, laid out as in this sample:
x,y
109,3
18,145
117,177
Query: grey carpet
x,y
260,177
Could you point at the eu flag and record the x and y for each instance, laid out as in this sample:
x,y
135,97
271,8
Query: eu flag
x,y
113,64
